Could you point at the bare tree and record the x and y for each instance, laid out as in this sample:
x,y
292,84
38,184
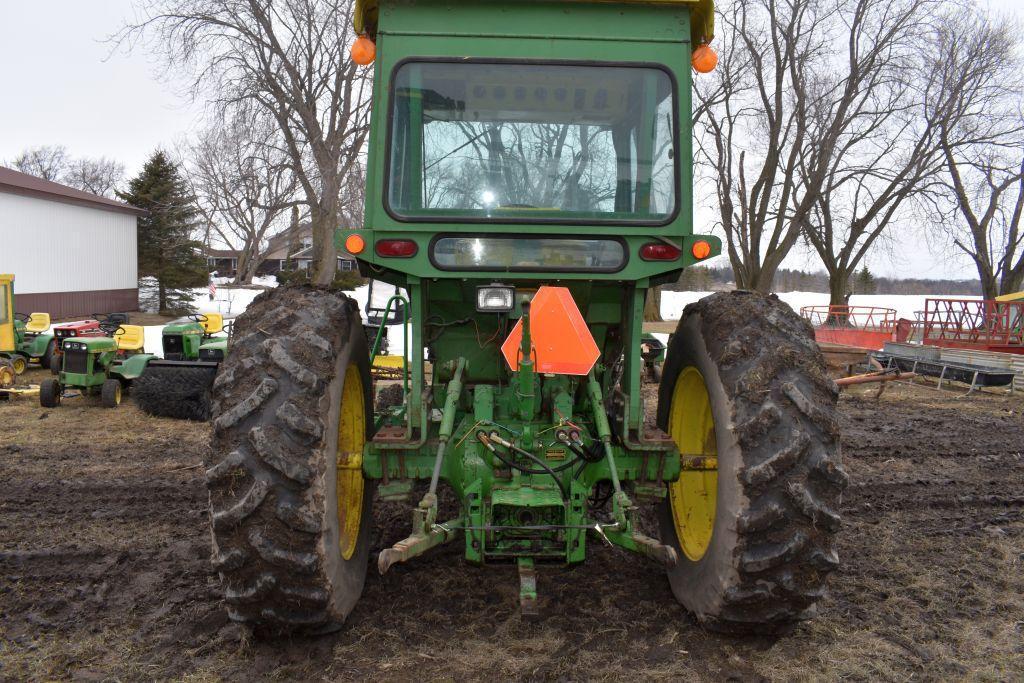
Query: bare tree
x,y
751,128
99,176
982,145
49,162
52,162
288,58
244,187
887,150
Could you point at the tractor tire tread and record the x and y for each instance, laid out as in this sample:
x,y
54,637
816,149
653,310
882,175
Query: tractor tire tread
x,y
182,393
269,404
784,409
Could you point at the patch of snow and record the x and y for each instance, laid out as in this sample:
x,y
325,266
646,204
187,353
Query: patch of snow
x,y
906,305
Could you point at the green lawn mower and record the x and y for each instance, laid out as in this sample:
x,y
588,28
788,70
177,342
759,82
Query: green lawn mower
x,y
98,365
179,385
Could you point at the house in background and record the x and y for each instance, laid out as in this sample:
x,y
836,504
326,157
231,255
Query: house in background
x,y
72,253
276,256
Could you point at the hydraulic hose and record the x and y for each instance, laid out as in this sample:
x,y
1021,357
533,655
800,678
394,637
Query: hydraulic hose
x,y
546,469
451,401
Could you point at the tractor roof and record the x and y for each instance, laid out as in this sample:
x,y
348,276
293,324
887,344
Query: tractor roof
x,y
702,14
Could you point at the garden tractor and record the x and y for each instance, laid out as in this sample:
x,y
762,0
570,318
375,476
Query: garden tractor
x,y
529,179
82,328
179,385
98,365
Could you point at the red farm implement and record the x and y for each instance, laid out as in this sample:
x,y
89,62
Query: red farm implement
x,y
985,325
862,327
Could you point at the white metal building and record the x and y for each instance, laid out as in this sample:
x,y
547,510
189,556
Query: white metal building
x,y
72,253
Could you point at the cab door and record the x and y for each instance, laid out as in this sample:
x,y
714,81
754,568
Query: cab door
x,y
6,313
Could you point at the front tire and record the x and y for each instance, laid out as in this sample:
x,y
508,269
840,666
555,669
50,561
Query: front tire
x,y
290,509
745,383
49,393
110,394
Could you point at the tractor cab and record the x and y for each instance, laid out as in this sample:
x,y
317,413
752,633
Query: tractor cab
x,y
23,338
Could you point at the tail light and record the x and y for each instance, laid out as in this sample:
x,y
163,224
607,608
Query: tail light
x,y
660,251
395,248
701,250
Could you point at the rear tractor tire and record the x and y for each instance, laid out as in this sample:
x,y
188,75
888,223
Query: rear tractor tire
x,y
745,383
49,393
19,363
110,394
290,508
182,393
50,358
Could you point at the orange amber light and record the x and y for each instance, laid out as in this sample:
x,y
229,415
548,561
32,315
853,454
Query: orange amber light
x,y
701,250
364,51
355,244
704,59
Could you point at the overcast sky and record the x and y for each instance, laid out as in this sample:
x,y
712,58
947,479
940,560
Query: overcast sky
x,y
62,85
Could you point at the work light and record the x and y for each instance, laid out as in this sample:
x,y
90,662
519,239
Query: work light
x,y
494,298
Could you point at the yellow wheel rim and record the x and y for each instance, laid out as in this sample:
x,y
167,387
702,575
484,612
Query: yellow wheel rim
x,y
19,364
694,496
6,376
117,395
351,437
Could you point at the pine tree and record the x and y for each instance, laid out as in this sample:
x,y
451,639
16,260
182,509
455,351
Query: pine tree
x,y
865,282
168,252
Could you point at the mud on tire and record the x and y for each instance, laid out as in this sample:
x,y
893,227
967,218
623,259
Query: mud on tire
x,y
780,479
276,403
182,393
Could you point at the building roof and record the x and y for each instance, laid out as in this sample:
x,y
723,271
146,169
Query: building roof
x,y
222,253
15,182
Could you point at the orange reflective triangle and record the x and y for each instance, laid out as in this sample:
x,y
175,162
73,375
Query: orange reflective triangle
x,y
562,343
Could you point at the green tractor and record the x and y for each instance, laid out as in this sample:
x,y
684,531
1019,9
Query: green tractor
x,y
179,385
98,365
529,180
23,338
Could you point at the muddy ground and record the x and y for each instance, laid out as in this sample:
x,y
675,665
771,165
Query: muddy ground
x,y
104,569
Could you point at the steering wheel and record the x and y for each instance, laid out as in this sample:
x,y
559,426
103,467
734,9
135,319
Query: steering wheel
x,y
110,328
197,317
22,317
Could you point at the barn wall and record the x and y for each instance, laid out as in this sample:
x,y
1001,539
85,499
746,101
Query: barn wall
x,y
54,247
63,305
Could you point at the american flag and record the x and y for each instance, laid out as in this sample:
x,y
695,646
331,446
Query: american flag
x,y
213,289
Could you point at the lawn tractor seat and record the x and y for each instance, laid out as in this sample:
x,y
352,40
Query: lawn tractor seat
x,y
130,337
38,322
212,322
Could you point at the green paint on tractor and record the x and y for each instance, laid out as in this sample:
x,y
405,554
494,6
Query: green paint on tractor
x,y
611,80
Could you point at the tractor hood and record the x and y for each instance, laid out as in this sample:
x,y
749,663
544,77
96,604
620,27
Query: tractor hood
x,y
90,344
